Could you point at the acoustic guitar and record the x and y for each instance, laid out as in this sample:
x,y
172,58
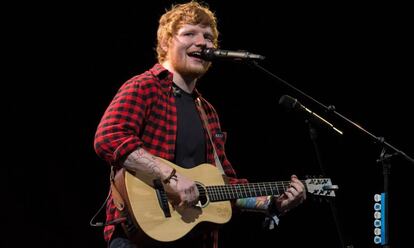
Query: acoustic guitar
x,y
151,208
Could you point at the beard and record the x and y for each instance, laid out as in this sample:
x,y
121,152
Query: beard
x,y
189,69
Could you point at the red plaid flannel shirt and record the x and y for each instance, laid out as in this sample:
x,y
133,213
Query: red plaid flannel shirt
x,y
143,114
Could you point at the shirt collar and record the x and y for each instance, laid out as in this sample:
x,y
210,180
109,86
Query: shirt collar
x,y
166,79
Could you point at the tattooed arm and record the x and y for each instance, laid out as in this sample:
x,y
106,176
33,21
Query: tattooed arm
x,y
294,195
185,190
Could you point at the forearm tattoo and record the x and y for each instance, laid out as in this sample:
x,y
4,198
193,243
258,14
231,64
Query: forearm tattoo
x,y
141,161
254,203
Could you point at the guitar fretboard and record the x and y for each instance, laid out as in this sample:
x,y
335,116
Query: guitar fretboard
x,y
236,191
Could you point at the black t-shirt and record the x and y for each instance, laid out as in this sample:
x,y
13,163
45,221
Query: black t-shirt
x,y
191,144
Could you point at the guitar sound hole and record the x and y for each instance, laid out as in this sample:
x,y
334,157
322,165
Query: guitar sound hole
x,y
203,198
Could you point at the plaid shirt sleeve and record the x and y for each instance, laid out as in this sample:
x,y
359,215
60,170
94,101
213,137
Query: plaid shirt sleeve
x,y
117,133
121,129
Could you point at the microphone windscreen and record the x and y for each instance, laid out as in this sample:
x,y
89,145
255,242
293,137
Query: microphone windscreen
x,y
208,54
289,103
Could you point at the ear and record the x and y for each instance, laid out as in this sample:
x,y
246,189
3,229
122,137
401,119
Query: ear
x,y
165,44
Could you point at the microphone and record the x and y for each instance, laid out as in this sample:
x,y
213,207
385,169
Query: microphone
x,y
290,103
212,54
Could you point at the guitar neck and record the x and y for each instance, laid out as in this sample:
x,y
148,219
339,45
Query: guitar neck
x,y
236,191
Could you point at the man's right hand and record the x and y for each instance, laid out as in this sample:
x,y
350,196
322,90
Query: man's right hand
x,y
183,190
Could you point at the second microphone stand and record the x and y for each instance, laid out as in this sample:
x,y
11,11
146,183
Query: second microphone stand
x,y
313,134
384,157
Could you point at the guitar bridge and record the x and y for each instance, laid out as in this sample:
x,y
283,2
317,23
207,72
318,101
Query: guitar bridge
x,y
162,197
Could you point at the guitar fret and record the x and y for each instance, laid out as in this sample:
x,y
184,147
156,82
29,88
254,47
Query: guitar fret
x,y
269,189
231,193
263,189
255,190
285,187
221,193
214,194
266,192
241,191
260,189
250,193
275,189
226,192
234,194
210,193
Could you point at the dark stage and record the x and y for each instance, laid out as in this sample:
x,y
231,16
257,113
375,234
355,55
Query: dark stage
x,y
67,61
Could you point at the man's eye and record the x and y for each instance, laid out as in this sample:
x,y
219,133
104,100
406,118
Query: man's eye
x,y
209,38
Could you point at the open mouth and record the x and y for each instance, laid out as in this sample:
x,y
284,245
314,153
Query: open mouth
x,y
196,54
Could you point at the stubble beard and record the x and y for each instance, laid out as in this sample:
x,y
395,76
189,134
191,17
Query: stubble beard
x,y
193,71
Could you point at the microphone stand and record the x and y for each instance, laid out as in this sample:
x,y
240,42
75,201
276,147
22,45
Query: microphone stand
x,y
384,156
313,134
386,167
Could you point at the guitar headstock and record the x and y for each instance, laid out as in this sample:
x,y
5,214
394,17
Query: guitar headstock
x,y
320,187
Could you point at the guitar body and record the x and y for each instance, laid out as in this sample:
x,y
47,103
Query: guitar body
x,y
155,217
146,209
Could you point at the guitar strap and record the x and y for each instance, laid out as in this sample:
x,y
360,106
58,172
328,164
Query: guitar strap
x,y
204,118
116,196
121,201
214,233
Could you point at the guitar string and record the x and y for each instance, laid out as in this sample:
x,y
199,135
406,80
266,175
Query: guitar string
x,y
241,189
246,189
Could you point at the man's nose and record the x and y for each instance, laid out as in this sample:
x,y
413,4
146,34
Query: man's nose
x,y
200,40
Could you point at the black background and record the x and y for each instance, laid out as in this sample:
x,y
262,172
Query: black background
x,y
65,62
